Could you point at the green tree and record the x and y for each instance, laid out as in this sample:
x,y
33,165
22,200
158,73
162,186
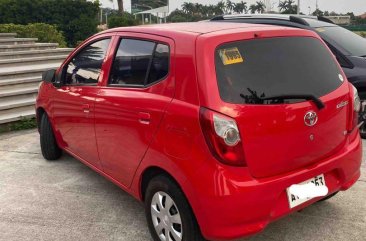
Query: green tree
x,y
221,7
252,8
121,20
188,7
197,9
77,19
241,7
288,7
229,6
318,12
260,7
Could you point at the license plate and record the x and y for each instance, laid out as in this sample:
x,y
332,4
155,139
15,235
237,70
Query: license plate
x,y
314,187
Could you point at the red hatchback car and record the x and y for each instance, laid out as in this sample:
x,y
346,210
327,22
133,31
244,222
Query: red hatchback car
x,y
218,128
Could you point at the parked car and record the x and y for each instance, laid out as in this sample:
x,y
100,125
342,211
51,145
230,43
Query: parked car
x,y
212,125
348,47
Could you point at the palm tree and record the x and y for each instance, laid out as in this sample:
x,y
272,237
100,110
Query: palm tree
x,y
205,10
229,6
260,7
221,7
240,7
211,10
282,5
197,9
188,7
120,5
288,7
252,8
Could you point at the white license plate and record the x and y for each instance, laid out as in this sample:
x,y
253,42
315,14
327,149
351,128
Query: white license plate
x,y
314,187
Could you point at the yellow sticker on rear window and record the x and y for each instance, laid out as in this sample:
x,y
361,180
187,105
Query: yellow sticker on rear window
x,y
230,56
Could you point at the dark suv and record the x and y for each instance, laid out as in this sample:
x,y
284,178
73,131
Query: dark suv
x,y
348,47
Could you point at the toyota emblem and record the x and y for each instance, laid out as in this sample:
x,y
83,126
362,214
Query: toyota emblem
x,y
310,118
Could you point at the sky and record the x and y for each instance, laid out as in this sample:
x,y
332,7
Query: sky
x,y
339,6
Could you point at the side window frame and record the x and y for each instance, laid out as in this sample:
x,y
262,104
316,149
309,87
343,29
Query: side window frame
x,y
64,68
156,42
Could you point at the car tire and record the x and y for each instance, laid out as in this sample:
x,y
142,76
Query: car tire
x,y
178,218
328,197
49,147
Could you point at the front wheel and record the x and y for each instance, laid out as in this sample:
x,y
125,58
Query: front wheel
x,y
169,215
49,147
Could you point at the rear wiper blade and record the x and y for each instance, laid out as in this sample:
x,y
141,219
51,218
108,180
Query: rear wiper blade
x,y
316,100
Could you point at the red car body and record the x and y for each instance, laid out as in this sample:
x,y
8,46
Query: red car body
x,y
128,134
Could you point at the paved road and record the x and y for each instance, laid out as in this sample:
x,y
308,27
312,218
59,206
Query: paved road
x,y
65,200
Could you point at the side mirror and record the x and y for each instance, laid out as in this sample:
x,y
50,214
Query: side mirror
x,y
49,76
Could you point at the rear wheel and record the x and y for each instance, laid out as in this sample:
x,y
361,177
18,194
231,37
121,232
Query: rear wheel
x,y
168,213
49,147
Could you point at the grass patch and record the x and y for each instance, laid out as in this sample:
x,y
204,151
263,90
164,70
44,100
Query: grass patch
x,y
23,124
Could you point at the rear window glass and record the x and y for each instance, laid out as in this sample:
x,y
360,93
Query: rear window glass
x,y
275,66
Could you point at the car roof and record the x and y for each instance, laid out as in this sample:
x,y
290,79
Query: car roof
x,y
194,28
306,20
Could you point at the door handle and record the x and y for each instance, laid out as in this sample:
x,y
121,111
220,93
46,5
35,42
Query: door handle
x,y
86,108
144,118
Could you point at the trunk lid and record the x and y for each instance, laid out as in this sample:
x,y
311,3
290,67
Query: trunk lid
x,y
277,134
276,139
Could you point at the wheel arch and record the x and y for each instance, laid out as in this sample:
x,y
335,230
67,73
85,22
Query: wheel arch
x,y
151,172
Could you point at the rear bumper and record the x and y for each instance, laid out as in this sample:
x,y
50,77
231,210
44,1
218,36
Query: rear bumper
x,y
230,203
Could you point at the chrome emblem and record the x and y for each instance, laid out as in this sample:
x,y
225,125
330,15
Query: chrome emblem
x,y
343,103
310,118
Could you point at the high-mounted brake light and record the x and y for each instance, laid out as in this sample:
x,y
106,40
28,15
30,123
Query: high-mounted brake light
x,y
223,138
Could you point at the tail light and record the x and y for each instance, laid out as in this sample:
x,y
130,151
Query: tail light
x,y
223,138
356,107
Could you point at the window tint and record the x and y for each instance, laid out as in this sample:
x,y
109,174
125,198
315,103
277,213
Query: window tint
x,y
273,67
85,67
132,62
139,63
160,64
351,42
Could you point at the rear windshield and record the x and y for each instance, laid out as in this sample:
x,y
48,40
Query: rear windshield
x,y
351,42
271,67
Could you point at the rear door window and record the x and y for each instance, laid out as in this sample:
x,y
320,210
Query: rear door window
x,y
139,63
275,66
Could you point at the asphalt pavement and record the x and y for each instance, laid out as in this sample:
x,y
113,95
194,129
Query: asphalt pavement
x,y
66,200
